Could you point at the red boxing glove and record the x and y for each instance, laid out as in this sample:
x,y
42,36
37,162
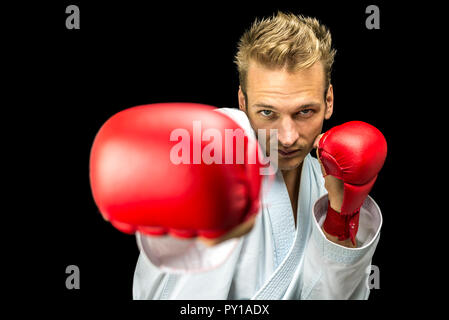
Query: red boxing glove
x,y
151,171
353,152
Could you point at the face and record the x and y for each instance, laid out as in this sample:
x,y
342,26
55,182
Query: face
x,y
292,103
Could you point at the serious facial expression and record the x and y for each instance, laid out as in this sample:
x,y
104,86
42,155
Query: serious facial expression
x,y
294,103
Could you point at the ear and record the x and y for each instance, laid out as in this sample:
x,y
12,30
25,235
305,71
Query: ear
x,y
241,98
329,102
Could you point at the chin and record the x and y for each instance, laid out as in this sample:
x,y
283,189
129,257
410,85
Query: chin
x,y
289,164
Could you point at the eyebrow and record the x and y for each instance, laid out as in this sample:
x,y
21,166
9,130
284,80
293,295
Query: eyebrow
x,y
306,105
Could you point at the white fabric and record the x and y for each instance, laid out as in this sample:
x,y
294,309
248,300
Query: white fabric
x,y
182,256
273,261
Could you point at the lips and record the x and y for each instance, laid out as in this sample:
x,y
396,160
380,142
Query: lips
x,y
288,154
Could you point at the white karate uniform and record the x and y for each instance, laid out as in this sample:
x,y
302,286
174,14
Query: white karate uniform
x,y
275,260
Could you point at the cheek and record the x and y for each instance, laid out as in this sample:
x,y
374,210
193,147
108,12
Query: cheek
x,y
316,125
310,129
260,126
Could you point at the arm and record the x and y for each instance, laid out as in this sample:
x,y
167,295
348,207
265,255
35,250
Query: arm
x,y
333,271
335,188
351,156
346,222
145,179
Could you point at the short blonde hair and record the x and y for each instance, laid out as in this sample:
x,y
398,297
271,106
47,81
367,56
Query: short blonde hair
x,y
285,40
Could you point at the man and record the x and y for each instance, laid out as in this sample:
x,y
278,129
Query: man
x,y
284,65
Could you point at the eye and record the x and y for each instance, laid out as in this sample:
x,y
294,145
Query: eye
x,y
266,113
306,113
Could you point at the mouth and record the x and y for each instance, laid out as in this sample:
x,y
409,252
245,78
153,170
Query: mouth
x,y
289,154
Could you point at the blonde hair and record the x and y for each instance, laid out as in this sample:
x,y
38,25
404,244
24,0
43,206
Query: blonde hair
x,y
285,40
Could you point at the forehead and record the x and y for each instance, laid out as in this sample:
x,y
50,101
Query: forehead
x,y
281,84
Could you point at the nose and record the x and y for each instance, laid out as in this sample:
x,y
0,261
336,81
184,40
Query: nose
x,y
287,133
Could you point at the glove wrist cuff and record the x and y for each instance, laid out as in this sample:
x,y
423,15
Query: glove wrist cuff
x,y
341,226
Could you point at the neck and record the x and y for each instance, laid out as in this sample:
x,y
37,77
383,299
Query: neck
x,y
292,177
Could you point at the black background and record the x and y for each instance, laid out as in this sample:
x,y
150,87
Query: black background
x,y
131,53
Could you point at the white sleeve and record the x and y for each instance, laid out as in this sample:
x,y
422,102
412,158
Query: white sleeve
x,y
173,255
332,271
182,256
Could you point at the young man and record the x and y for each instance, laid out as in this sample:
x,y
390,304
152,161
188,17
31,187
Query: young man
x,y
284,63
